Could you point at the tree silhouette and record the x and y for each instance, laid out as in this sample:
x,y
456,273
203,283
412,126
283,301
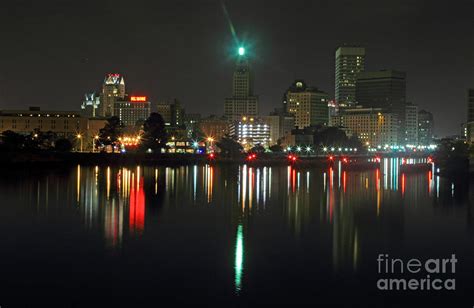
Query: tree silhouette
x,y
229,147
154,136
12,141
276,148
63,145
111,132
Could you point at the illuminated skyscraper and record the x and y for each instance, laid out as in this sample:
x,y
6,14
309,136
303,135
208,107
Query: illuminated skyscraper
x,y
384,89
113,89
243,102
350,61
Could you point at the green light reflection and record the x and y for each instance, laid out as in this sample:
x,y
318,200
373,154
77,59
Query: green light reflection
x,y
239,258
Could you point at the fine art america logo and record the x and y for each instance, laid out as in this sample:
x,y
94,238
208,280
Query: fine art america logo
x,y
416,274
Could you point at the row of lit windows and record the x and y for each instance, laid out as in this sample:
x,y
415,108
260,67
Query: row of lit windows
x,y
46,115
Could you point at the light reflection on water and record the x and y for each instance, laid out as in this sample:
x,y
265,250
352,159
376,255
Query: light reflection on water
x,y
349,209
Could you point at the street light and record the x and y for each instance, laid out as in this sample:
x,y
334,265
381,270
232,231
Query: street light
x,y
96,137
79,136
210,140
241,51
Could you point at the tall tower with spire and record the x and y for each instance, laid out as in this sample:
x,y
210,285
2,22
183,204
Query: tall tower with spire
x,y
242,102
113,89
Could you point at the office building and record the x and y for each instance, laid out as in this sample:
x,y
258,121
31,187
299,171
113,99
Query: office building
x,y
191,122
425,127
308,105
250,132
132,110
411,124
384,89
350,61
373,126
213,127
172,113
90,105
273,122
280,123
113,89
243,101
470,116
63,124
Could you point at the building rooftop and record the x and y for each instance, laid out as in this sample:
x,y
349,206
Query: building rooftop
x,y
36,111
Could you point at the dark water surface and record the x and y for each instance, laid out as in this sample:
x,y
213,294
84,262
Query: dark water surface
x,y
227,235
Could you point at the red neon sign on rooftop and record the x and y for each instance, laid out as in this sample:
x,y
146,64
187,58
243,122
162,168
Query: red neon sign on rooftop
x,y
138,98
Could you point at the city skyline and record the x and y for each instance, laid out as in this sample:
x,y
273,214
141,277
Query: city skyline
x,y
199,72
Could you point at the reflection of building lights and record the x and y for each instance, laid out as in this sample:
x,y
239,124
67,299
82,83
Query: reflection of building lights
x,y
137,205
239,258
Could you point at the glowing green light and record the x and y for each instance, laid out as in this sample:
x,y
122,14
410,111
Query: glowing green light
x,y
239,258
241,51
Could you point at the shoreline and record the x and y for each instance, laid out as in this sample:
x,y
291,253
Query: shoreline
x,y
46,158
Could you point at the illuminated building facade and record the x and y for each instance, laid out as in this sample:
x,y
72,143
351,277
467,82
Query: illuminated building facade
x,y
273,122
113,89
470,116
64,124
384,89
243,102
172,113
350,61
308,105
213,127
191,122
425,127
411,124
90,105
134,110
250,131
280,123
372,126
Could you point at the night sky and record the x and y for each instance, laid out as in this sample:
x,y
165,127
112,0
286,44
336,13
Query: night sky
x,y
52,52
